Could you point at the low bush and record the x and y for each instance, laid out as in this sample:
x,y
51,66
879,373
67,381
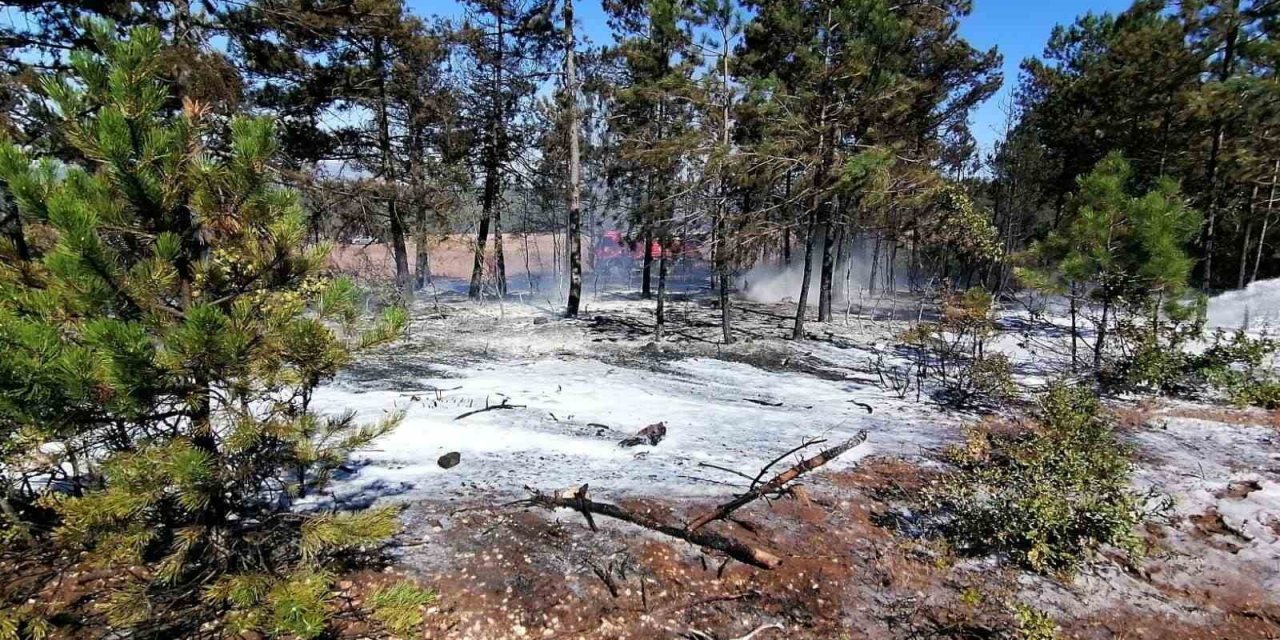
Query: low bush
x,y
953,352
1234,364
1046,496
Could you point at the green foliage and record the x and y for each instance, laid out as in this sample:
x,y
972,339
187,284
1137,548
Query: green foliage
x,y
1033,624
959,230
398,606
1125,252
953,352
1047,497
162,341
1167,361
1124,245
24,622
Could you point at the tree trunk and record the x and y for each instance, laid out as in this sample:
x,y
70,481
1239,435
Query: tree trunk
x,y
492,162
875,265
1266,219
1215,150
422,258
404,280
646,289
1075,329
499,252
721,248
662,295
1248,238
827,276
575,167
722,272
1102,333
482,234
797,332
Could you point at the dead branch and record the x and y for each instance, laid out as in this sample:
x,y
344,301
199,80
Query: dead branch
x,y
735,472
765,469
494,407
735,549
764,403
778,481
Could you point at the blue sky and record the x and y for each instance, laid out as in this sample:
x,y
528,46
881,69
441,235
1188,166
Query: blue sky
x,y
1019,28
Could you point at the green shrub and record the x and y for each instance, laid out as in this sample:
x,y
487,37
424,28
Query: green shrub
x,y
1047,496
1234,364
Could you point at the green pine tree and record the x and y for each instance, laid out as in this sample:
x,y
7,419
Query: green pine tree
x,y
1126,252
162,333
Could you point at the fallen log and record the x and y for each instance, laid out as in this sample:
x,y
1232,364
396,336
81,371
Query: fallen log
x,y
731,547
723,511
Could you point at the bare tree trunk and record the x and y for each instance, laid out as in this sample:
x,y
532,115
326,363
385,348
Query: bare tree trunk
x,y
575,167
404,280
646,290
1102,333
499,253
1266,219
1215,150
482,234
828,268
1248,238
493,159
662,295
422,259
1075,330
722,270
721,248
797,332
875,265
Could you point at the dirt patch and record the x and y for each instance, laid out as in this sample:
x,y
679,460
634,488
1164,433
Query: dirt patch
x,y
515,573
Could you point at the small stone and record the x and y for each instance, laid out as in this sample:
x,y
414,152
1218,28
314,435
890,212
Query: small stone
x,y
449,460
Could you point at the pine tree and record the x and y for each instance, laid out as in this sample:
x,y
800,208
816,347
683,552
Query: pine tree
x,y
506,44
1126,252
167,329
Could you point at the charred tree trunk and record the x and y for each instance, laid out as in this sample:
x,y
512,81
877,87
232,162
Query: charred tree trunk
x,y
646,279
493,150
828,268
797,331
662,295
575,167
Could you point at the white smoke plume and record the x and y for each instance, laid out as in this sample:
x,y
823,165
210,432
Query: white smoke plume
x,y
776,282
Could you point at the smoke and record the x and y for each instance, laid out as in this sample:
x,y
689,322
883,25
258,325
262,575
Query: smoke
x,y
773,283
1257,305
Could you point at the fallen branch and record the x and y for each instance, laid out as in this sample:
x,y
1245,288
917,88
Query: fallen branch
x,y
723,511
765,469
494,407
735,549
764,403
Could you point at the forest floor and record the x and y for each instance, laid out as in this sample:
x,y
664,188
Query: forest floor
x,y
853,566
